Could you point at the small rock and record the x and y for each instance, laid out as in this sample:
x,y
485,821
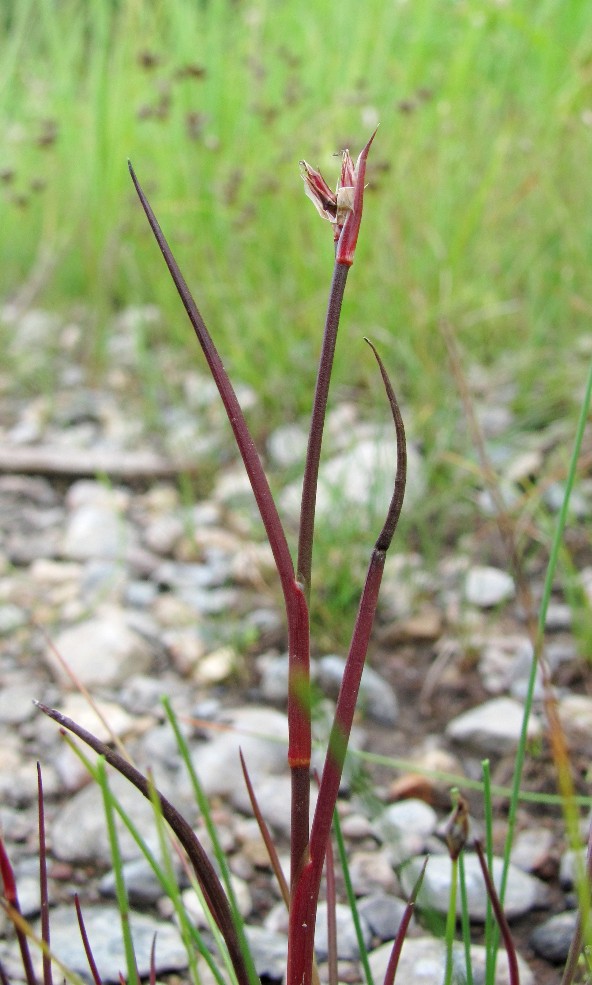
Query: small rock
x,y
487,587
505,664
102,651
217,666
347,941
383,914
12,617
494,727
16,702
103,927
270,952
405,827
532,851
261,734
573,864
142,885
370,871
552,939
376,697
286,445
78,830
423,962
195,910
523,891
360,478
96,527
423,627
575,713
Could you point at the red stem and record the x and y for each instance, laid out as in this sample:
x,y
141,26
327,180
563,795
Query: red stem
x,y
43,891
295,602
500,916
306,892
315,438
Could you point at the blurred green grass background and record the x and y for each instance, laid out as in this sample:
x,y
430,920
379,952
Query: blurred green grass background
x,y
478,211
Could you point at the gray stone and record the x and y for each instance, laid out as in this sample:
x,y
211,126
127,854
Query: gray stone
x,y
347,941
78,830
492,728
102,651
404,828
487,587
383,914
286,445
505,664
360,480
523,892
103,926
262,735
96,527
371,870
553,938
575,713
532,849
423,962
269,951
12,617
572,866
16,702
142,885
376,698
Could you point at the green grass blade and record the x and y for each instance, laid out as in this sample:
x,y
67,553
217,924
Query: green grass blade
x,y
490,926
169,886
204,807
570,809
451,922
120,890
351,899
465,918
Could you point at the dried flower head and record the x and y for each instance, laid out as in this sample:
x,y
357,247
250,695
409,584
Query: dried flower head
x,y
342,207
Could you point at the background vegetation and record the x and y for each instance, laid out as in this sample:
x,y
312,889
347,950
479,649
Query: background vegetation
x,y
478,213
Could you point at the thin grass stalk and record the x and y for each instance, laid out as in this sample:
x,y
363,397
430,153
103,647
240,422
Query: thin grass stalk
x,y
299,749
514,977
152,975
96,977
351,897
451,921
556,734
489,935
577,941
332,944
393,962
43,890
306,893
21,925
170,887
536,627
133,977
317,424
169,879
205,873
13,910
464,783
274,859
3,975
220,855
465,918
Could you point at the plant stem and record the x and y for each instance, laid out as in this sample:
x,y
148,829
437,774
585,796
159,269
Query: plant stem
x,y
317,423
451,921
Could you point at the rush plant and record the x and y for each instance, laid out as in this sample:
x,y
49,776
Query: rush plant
x,y
343,209
310,849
